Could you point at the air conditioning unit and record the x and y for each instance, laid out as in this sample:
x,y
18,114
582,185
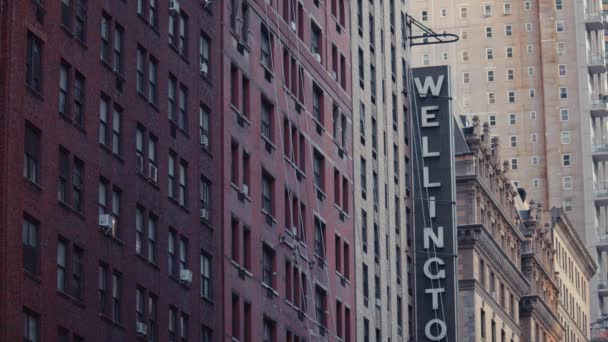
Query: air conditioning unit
x,y
494,294
245,190
204,69
294,231
204,140
204,213
107,223
206,3
153,172
173,6
318,57
333,75
140,163
293,26
185,276
141,328
378,302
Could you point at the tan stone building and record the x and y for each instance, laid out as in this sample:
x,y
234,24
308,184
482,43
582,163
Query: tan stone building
x,y
536,71
381,164
574,268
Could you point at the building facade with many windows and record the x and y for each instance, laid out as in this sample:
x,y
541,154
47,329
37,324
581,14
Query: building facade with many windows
x,y
108,152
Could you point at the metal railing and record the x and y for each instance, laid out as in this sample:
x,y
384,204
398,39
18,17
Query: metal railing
x,y
597,58
600,148
600,189
596,16
599,104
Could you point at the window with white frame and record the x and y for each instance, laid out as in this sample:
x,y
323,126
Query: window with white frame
x,y
426,59
561,48
465,56
490,75
489,54
564,114
530,49
534,138
464,35
527,5
528,27
531,71
424,15
559,26
559,5
463,12
532,92
487,10
491,97
508,30
512,119
466,100
492,119
566,159
509,52
465,77
444,12
444,56
514,164
532,115
562,70
563,92
534,160
488,31
565,137
567,204
535,183
513,140
510,74
567,182
511,96
507,8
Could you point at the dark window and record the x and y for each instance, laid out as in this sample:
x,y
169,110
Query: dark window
x,y
321,307
269,330
171,253
317,103
31,162
267,193
80,29
204,45
62,266
105,38
34,62
319,243
31,326
267,119
66,14
172,323
103,289
140,66
153,80
64,88
116,296
118,49
183,182
268,266
31,245
79,96
77,272
206,276
77,188
266,48
183,106
207,334
152,318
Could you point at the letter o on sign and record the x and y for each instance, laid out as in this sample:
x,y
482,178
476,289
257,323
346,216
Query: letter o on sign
x,y
443,330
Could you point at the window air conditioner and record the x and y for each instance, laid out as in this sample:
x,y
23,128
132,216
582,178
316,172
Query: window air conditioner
x,y
204,69
107,223
204,140
204,213
174,6
206,3
153,172
333,74
293,26
318,57
245,189
185,276
141,328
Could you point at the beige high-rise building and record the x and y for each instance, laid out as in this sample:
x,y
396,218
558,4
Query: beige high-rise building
x,y
381,160
536,70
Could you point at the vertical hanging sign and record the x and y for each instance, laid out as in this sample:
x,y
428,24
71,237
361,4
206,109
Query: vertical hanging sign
x,y
436,283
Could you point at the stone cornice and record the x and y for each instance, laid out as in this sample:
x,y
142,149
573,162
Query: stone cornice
x,y
562,223
535,305
477,236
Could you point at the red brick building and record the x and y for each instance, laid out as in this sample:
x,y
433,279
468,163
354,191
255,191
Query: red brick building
x,y
107,129
288,220
175,172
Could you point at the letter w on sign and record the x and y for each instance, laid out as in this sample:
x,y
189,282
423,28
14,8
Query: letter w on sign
x,y
429,83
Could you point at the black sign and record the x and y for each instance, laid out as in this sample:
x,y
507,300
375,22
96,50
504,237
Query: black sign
x,y
435,240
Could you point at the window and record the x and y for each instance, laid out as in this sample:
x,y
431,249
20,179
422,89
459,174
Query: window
x,y
266,48
510,74
105,38
61,265
103,288
465,77
514,164
491,97
464,35
534,160
531,93
527,5
489,54
116,148
316,39
77,272
178,25
426,59
79,96
152,238
64,88
267,193
34,63
118,48
424,15
444,12
567,182
321,307
205,197
490,75
532,115
564,114
534,138
204,45
511,96
268,266
512,119
559,26
81,20
561,48
172,323
463,12
31,161
31,245
267,119
171,174
492,120
317,103
507,8
183,176
444,56
566,159
530,49
139,61
152,80
183,105
509,51
206,276
269,330
103,121
319,170
559,5
319,242
483,324
565,137
531,71
465,56
488,31
513,140
207,334
562,70
183,327
116,296
31,326
487,10
567,204
528,27
563,92
139,230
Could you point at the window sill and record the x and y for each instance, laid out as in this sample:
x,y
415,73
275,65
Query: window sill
x,y
145,260
179,53
111,321
270,289
107,65
208,300
207,150
175,125
176,202
33,184
269,145
109,151
147,23
69,119
241,119
179,282
67,30
72,299
270,220
148,180
68,207
111,237
32,276
35,92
